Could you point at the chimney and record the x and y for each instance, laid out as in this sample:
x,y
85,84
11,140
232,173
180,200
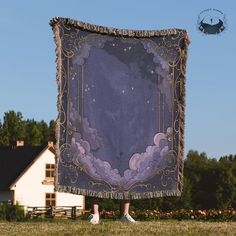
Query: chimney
x,y
19,143
50,144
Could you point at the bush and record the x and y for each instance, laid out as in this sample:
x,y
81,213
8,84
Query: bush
x,y
182,214
11,212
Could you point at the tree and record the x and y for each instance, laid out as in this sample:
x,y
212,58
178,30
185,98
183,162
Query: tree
x,y
194,166
45,132
12,128
1,135
32,132
52,131
34,135
226,193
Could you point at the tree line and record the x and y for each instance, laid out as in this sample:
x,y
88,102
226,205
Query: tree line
x,y
34,133
209,183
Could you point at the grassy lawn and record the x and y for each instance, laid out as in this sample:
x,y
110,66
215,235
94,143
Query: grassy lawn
x,y
163,227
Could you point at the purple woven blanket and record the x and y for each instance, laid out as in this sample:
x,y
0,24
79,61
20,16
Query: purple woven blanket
x,y
120,119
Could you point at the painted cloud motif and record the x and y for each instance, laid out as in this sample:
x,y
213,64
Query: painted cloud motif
x,y
141,165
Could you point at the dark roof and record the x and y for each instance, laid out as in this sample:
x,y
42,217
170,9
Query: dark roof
x,y
13,161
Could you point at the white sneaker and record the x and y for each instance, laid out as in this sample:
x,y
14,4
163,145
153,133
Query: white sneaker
x,y
127,218
94,219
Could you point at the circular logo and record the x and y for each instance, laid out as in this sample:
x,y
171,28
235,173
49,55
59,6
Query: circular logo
x,y
211,21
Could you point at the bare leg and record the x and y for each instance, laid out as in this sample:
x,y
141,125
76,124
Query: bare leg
x,y
95,208
125,216
94,217
125,207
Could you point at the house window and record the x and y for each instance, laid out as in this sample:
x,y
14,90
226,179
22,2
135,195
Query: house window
x,y
50,199
50,168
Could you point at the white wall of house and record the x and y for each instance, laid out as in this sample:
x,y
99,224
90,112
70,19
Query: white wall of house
x,y
30,188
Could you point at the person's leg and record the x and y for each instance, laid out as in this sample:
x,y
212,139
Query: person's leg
x,y
125,207
95,208
125,204
94,218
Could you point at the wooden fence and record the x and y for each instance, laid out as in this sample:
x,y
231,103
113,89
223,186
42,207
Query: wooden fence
x,y
67,212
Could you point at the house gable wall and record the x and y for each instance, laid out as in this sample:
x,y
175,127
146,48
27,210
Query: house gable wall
x,y
30,188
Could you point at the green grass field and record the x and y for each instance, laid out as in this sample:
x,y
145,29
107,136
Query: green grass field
x,y
164,227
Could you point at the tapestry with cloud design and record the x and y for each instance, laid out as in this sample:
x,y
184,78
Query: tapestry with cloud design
x,y
121,100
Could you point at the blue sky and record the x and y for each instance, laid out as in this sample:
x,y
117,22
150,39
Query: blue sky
x,y
28,69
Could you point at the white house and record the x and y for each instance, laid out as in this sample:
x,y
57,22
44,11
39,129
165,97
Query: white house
x,y
27,177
